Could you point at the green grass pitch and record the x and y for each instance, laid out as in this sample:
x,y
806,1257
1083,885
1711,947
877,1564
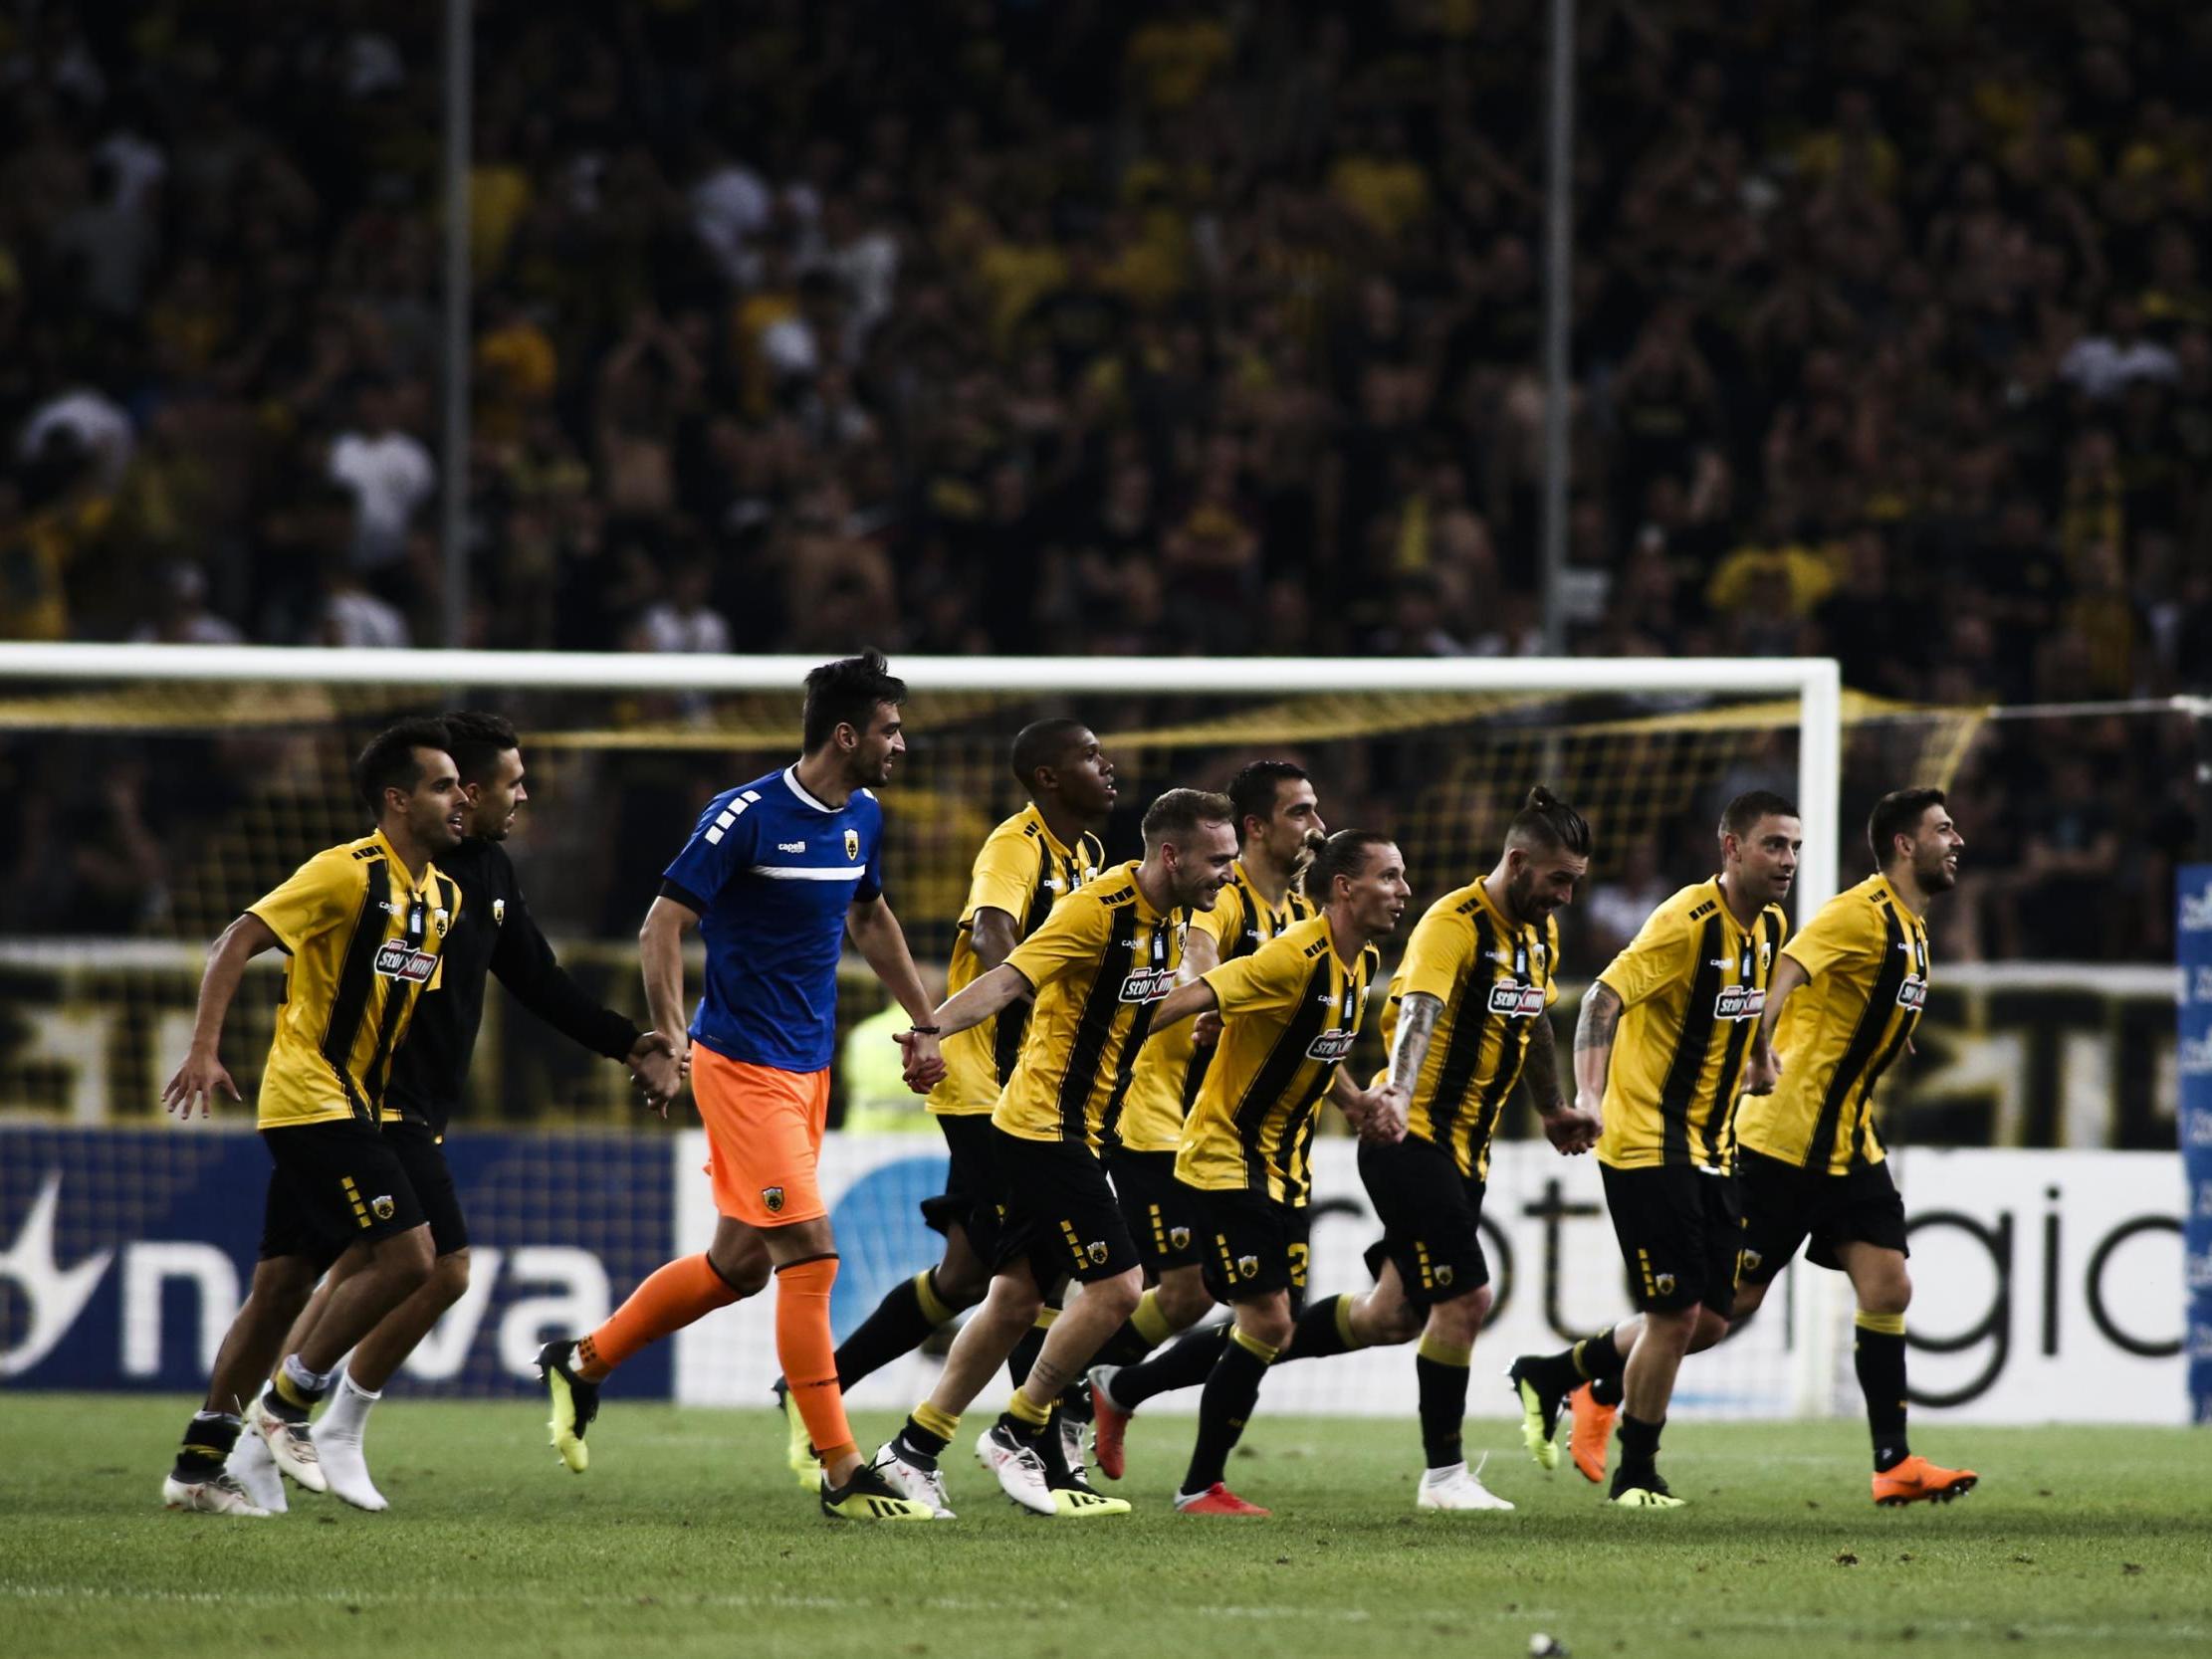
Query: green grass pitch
x,y
689,1537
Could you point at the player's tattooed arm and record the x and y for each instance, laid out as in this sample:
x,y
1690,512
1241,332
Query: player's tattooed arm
x,y
1595,1026
1416,1026
202,1072
1569,1128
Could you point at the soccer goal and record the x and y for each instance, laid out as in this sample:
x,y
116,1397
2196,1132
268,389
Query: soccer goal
x,y
158,789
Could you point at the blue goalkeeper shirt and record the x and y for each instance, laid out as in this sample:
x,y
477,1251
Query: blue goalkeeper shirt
x,y
772,872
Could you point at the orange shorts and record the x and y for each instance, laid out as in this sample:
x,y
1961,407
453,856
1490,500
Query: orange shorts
x,y
764,1137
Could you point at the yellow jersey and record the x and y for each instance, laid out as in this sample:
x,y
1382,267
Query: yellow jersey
x,y
1024,870
1289,1014
1100,965
365,942
1495,978
1692,984
1170,1067
1866,956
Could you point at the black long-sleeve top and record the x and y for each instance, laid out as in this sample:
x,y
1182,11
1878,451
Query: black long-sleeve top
x,y
494,933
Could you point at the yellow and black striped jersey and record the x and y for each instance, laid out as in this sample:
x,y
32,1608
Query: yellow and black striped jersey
x,y
364,941
1024,870
1495,980
1692,984
1289,1013
1866,956
1099,965
1170,1068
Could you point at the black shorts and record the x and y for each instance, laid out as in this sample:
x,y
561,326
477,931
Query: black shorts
x,y
971,1199
1680,1228
1254,1246
1163,1215
1061,1218
1432,1218
334,1184
1784,1204
421,1152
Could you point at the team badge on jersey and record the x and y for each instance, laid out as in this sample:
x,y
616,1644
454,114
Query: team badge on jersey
x,y
773,1196
383,1206
853,844
440,921
498,912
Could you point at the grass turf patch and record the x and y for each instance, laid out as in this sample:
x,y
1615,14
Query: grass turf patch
x,y
689,1535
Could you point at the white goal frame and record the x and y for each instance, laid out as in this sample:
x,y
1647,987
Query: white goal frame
x,y
1817,1311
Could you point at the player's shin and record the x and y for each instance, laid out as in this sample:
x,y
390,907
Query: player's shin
x,y
1878,1356
1232,1393
809,1357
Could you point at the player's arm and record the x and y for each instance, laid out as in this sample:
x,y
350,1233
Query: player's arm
x,y
981,997
1376,1115
660,957
525,964
202,1072
1569,1128
1201,955
1196,997
993,934
1763,1070
882,942
1595,1027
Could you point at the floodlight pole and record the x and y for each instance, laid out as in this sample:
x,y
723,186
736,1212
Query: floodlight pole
x,y
452,498
1559,303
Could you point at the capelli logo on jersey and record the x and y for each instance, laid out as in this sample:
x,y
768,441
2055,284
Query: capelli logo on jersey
x,y
1913,993
1147,984
1517,1002
1740,1002
397,959
791,846
1330,1047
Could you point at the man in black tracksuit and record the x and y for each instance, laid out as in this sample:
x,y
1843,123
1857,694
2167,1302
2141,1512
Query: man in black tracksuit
x,y
493,932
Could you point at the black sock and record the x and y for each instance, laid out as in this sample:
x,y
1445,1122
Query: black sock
x,y
1053,1454
1597,1358
899,1325
919,1446
1608,1390
1184,1363
1638,1453
1878,1359
1124,1348
1444,1408
206,1447
1320,1331
1231,1392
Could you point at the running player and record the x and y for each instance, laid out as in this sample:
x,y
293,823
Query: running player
x,y
1027,865
1662,1049
1845,998
774,876
363,926
493,932
1098,968
1290,1012
1280,829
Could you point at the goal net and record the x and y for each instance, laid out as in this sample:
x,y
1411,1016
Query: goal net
x,y
154,791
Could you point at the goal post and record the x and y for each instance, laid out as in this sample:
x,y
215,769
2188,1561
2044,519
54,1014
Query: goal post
x,y
1641,743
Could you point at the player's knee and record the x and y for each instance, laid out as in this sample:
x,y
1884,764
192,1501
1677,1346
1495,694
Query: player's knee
x,y
1119,1294
449,1275
1671,1328
1385,1322
959,1287
407,1261
1460,1319
1267,1322
1183,1300
1710,1328
743,1271
1891,1294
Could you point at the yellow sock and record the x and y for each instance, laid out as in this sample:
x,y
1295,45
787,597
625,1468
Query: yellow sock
x,y
1022,1409
1253,1345
1344,1330
943,1424
1888,1324
1148,1322
925,1293
1045,1316
1443,1353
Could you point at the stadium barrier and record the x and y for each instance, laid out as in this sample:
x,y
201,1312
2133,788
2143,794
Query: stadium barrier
x,y
2049,1283
2193,1066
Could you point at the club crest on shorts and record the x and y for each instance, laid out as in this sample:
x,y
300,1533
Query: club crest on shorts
x,y
1666,1283
1751,1260
1097,1251
1247,1267
1444,1274
773,1196
853,844
1178,1238
385,1208
498,912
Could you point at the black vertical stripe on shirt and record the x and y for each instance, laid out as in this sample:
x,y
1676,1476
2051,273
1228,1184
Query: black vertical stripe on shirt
x,y
1716,1127
1272,1083
1691,1043
1865,1042
1470,1025
1095,1025
356,979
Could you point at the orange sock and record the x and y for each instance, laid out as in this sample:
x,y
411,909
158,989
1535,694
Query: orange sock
x,y
675,1296
809,1355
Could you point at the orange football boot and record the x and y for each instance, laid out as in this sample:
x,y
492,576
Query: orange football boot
x,y
1917,1481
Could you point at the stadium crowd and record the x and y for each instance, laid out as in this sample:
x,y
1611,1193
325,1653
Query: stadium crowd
x,y
1059,326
